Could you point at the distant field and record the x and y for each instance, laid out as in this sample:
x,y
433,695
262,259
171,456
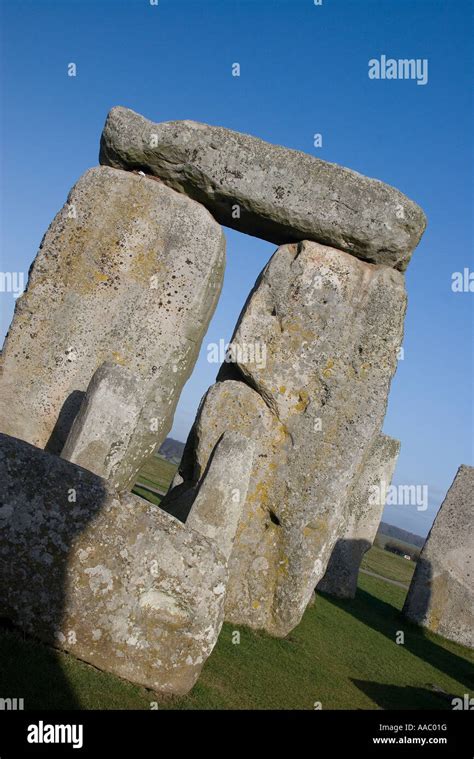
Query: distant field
x,y
343,655
381,540
388,565
158,473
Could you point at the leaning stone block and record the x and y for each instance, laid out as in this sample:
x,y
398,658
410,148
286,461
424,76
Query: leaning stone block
x,y
441,594
111,578
268,191
331,326
363,513
128,272
106,422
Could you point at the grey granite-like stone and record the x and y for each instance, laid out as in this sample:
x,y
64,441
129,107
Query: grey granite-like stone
x,y
331,326
441,594
266,190
110,577
106,422
363,513
129,272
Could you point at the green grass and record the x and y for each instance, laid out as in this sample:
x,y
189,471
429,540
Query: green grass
x,y
158,473
388,565
381,541
143,493
343,654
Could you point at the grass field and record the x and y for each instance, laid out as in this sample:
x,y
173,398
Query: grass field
x,y
157,473
388,565
343,655
381,540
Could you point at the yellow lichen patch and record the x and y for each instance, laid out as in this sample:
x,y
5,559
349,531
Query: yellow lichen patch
x,y
283,566
144,266
327,371
118,358
282,389
260,494
303,400
364,370
100,277
255,604
281,434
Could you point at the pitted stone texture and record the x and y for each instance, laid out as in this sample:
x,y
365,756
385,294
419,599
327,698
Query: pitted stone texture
x,y
234,405
332,326
363,513
129,272
441,594
106,422
111,578
217,508
282,195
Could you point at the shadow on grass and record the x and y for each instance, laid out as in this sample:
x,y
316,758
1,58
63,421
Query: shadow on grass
x,y
387,620
403,697
33,672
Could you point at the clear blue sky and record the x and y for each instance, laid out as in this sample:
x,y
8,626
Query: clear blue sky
x,y
304,69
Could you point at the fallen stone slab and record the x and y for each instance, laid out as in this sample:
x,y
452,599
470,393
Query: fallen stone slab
x,y
111,578
441,593
331,326
268,191
129,272
363,514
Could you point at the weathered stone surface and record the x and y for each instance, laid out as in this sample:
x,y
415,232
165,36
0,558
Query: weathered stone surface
x,y
216,510
129,272
106,421
331,325
283,195
441,594
363,513
111,578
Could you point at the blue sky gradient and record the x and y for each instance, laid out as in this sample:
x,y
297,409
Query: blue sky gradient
x,y
304,70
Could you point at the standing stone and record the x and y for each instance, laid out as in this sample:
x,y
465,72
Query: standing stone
x,y
363,514
441,594
130,272
314,352
111,578
106,422
268,191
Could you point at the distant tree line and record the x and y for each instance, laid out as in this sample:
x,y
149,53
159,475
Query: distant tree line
x,y
402,550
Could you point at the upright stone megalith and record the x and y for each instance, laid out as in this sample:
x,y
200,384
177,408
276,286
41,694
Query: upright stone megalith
x,y
441,594
331,326
362,518
106,422
129,272
268,191
110,577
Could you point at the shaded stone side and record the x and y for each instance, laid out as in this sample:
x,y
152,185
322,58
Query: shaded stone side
x,y
363,514
128,272
111,578
331,326
441,594
268,191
